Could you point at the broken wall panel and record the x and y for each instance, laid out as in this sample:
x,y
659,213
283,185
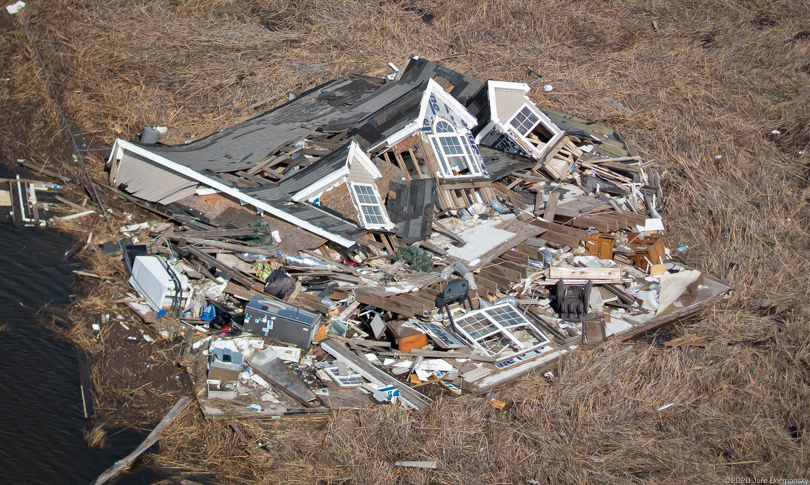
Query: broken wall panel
x,y
147,180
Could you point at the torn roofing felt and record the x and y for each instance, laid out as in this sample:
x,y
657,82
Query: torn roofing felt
x,y
500,164
419,70
411,209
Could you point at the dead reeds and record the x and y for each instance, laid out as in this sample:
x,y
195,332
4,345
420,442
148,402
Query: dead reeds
x,y
717,92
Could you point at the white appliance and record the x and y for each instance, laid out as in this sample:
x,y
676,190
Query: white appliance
x,y
158,282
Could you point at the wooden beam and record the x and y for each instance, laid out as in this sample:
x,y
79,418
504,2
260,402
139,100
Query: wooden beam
x,y
551,206
365,368
212,261
447,232
559,228
150,440
383,303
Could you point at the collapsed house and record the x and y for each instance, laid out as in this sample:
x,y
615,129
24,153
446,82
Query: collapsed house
x,y
424,229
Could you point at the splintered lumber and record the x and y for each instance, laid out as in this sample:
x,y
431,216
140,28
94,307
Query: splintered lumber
x,y
218,233
211,261
597,275
564,230
439,354
332,262
248,293
362,366
447,232
44,171
178,236
368,298
150,440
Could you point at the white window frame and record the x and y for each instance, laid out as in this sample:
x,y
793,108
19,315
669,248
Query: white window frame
x,y
356,198
439,151
495,327
529,131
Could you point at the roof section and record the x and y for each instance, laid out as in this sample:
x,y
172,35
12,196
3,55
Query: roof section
x,y
314,172
245,145
419,70
499,164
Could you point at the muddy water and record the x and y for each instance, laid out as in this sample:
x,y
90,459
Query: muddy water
x,y
41,417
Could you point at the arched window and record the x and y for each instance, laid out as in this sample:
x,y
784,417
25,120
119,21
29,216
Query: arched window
x,y
453,151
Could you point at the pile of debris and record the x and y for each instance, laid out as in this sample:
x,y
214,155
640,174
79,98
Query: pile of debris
x,y
389,239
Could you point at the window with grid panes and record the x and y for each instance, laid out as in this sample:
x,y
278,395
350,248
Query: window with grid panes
x,y
370,206
524,121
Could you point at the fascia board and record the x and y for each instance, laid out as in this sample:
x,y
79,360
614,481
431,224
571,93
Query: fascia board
x,y
320,185
182,169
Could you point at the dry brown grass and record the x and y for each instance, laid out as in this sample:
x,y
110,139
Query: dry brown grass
x,y
96,437
702,79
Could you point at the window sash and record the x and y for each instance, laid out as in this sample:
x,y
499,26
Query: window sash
x,y
368,200
479,326
524,121
452,147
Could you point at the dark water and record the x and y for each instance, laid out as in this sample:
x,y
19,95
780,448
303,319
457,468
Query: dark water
x,y
41,417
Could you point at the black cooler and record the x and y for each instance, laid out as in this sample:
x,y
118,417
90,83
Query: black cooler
x,y
276,319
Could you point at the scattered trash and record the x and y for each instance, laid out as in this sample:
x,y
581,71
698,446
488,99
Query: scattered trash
x,y
16,7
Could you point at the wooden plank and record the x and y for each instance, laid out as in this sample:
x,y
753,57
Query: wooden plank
x,y
150,440
522,270
428,303
485,284
405,144
447,232
558,238
516,257
551,206
416,163
432,248
419,307
558,228
41,170
576,273
383,303
239,181
585,222
497,278
332,261
362,366
620,220
538,202
211,261
218,233
253,178
531,252
439,354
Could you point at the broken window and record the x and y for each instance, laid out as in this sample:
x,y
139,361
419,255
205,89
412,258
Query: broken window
x,y
524,120
350,379
453,151
500,331
371,210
